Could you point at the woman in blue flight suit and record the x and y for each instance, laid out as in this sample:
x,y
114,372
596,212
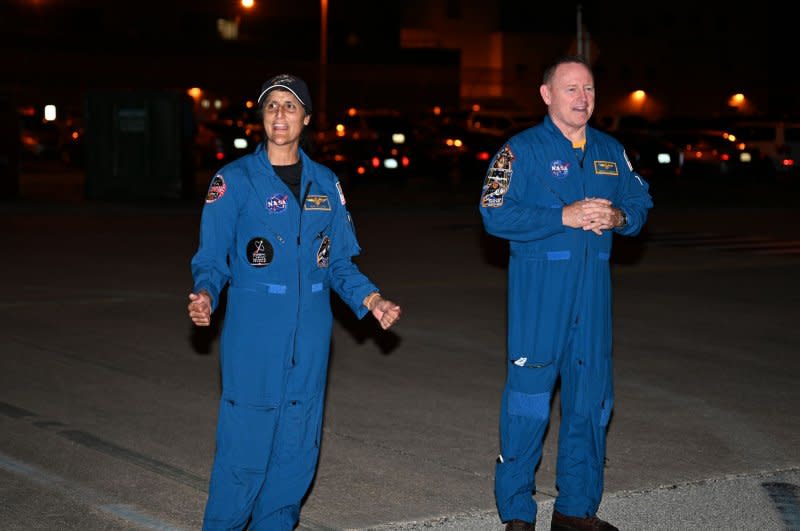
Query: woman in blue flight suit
x,y
557,191
275,228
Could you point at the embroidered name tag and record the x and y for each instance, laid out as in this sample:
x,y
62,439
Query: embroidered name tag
x,y
317,202
604,167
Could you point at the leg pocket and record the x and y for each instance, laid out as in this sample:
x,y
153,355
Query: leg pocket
x,y
299,428
528,405
244,436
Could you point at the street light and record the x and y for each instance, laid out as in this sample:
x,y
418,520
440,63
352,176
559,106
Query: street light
x,y
323,64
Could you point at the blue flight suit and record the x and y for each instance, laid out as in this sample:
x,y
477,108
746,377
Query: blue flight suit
x,y
559,309
281,261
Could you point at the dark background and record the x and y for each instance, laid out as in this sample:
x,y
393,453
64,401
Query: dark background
x,y
55,51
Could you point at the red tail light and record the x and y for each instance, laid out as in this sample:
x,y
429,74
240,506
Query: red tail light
x,y
220,155
376,162
405,162
482,155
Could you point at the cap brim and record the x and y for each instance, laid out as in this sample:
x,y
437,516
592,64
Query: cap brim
x,y
284,87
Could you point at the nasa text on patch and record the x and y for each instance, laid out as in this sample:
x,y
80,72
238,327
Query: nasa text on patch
x,y
277,203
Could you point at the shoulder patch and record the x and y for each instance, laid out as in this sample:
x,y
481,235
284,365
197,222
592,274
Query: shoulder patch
x,y
498,178
217,188
624,154
341,194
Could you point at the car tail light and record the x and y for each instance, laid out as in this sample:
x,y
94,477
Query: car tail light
x,y
376,162
405,162
220,155
361,170
482,155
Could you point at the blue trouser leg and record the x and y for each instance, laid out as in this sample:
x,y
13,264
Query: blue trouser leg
x,y
524,416
586,403
292,466
263,466
244,442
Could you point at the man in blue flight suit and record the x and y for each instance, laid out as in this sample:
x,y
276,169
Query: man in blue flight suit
x,y
275,228
556,191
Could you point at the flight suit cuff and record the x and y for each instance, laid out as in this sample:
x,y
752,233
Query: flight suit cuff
x,y
361,310
214,296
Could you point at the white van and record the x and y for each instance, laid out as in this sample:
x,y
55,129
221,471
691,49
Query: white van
x,y
777,140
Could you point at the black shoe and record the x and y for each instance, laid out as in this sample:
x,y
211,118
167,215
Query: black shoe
x,y
562,522
520,525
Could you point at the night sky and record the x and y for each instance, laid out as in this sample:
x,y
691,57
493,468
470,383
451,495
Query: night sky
x,y
678,43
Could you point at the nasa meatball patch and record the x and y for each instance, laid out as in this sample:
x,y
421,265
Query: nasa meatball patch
x,y
277,203
217,188
559,169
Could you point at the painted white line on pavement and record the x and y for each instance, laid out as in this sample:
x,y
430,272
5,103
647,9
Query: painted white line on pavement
x,y
82,495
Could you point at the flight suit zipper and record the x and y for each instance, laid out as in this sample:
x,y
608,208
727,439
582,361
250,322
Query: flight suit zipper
x,y
299,270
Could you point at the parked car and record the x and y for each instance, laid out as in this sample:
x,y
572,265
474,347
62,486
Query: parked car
x,y
458,154
652,156
777,140
500,123
220,142
715,154
381,125
359,162
40,139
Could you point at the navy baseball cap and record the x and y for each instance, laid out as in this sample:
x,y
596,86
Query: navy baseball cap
x,y
293,84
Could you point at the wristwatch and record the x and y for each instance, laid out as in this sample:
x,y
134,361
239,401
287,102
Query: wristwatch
x,y
624,219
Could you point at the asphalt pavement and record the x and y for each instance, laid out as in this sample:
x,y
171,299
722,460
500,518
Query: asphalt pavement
x,y
108,396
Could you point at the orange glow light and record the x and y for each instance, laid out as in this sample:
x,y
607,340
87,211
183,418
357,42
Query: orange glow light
x,y
737,100
351,111
638,96
247,4
195,93
437,110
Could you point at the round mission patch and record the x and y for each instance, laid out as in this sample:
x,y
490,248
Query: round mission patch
x,y
259,252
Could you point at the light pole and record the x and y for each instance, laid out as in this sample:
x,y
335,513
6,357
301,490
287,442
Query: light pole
x,y
323,65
